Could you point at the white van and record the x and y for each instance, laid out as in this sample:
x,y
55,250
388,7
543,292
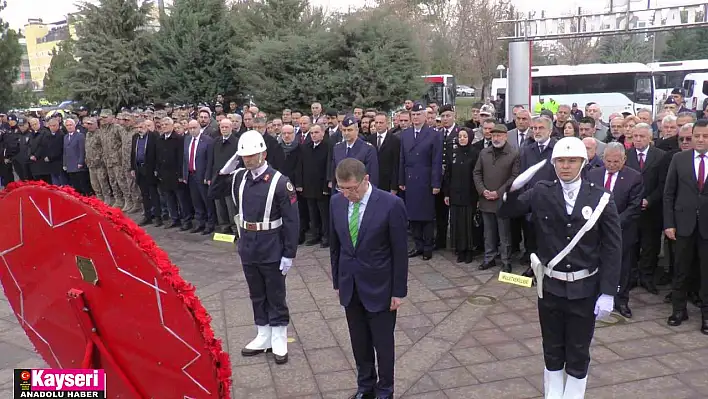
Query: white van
x,y
696,86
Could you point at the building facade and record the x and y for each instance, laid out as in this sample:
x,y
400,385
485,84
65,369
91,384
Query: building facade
x,y
41,40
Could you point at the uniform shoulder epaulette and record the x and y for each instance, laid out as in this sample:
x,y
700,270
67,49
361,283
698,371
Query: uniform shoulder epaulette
x,y
369,144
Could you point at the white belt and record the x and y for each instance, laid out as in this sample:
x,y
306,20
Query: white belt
x,y
261,226
569,276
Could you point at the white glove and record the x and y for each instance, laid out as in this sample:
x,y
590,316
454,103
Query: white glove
x,y
285,265
604,305
230,166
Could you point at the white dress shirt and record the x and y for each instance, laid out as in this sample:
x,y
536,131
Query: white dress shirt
x,y
697,163
195,142
519,139
644,152
362,205
615,176
570,194
544,144
382,137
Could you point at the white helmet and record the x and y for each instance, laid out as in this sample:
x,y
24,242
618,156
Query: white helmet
x,y
250,143
569,147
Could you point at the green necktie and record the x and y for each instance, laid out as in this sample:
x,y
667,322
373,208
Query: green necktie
x,y
354,223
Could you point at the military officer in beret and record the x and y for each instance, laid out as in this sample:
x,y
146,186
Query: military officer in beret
x,y
420,177
268,225
577,266
353,147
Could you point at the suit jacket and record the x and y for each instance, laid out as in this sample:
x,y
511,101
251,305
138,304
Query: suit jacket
x,y
628,193
204,158
378,264
223,151
361,150
169,160
298,138
389,155
314,170
45,145
685,208
75,152
531,155
146,171
335,136
653,176
513,138
275,154
212,131
600,248
495,171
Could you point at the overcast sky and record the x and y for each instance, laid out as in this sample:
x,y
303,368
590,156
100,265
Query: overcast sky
x,y
18,11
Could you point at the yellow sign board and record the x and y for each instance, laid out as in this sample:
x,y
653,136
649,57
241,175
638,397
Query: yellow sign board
x,y
511,278
224,237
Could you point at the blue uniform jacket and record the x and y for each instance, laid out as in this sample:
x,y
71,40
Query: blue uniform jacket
x,y
263,246
378,265
420,171
361,150
601,247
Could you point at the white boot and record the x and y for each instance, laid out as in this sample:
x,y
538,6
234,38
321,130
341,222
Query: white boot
x,y
260,344
553,384
575,388
279,342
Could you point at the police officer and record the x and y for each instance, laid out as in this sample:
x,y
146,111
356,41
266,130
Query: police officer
x,y
268,225
577,265
353,147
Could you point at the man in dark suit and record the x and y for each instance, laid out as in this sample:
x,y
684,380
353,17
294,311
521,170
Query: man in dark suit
x,y
388,148
449,133
143,167
651,163
627,188
224,148
197,172
314,188
420,176
74,158
170,154
686,221
369,271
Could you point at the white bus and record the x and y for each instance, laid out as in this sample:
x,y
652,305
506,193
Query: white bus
x,y
440,89
669,75
615,87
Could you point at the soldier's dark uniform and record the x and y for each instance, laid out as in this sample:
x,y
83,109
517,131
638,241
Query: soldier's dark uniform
x,y
442,211
361,150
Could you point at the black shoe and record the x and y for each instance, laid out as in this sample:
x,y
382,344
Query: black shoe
x,y
677,317
649,286
695,299
528,272
667,298
324,244
414,253
253,352
624,310
281,359
704,325
224,230
487,265
158,223
208,231
197,229
469,257
360,395
427,255
461,256
506,268
185,227
171,225
145,222
313,241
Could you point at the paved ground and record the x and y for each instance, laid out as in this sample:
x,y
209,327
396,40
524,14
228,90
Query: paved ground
x,y
450,345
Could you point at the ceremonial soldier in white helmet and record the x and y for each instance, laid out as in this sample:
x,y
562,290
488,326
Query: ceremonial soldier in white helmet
x,y
268,225
577,266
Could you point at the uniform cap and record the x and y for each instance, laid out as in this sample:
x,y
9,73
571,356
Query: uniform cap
x,y
106,112
348,121
251,143
417,107
670,100
446,108
499,128
679,90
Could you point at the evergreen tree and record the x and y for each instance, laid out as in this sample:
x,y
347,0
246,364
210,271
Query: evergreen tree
x,y
192,58
59,73
10,58
686,44
113,50
624,48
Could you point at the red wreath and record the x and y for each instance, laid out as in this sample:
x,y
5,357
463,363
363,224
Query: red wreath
x,y
169,273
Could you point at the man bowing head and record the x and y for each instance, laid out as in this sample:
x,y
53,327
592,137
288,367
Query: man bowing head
x,y
369,252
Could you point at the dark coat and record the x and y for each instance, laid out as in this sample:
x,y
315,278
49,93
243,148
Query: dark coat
x,y
275,155
314,170
45,145
458,181
420,171
388,159
223,151
495,171
600,248
685,209
145,172
378,263
170,155
653,176
292,165
628,193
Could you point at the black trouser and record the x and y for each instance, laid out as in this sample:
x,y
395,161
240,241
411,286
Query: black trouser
x,y
304,213
442,219
45,178
319,217
629,258
266,286
23,170
171,200
204,208
478,231
567,327
184,201
688,250
649,245
151,198
516,227
422,235
371,331
80,182
6,175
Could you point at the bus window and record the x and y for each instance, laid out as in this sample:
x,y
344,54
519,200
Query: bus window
x,y
705,88
688,86
642,89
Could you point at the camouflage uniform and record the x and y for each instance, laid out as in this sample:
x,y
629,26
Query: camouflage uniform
x,y
96,167
133,200
110,137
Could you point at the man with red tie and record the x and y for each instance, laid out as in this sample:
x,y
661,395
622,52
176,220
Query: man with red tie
x,y
196,172
686,221
368,249
626,186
